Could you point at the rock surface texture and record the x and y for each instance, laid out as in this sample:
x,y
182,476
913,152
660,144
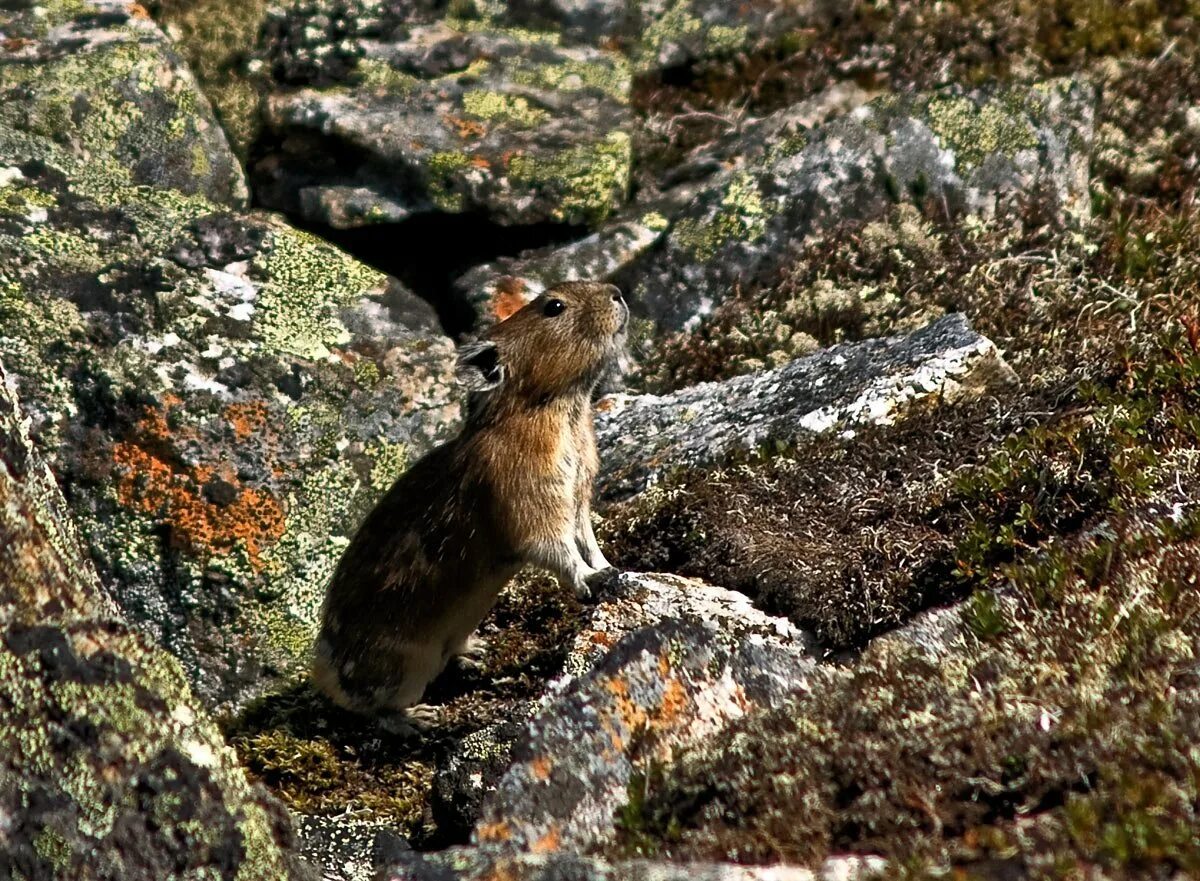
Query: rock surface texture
x,y
437,114
646,437
111,768
902,484
221,394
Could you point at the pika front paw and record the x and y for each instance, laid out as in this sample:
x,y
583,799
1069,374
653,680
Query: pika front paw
x,y
599,583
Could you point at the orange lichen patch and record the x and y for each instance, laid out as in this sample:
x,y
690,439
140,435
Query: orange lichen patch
x,y
466,128
675,702
548,843
137,10
664,665
247,418
480,162
510,297
602,638
499,831
633,717
150,480
540,767
605,404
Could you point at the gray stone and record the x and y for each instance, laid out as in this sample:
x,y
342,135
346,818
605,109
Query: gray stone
x,y
109,766
644,438
441,115
681,667
102,81
221,395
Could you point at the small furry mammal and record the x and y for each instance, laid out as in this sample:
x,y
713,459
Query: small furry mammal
x,y
513,488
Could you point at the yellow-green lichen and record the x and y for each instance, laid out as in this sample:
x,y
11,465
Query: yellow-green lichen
x,y
389,461
484,104
444,170
675,23
741,216
975,132
611,76
382,77
53,848
307,280
592,178
655,221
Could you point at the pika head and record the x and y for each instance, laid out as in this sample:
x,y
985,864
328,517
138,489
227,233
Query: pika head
x,y
560,343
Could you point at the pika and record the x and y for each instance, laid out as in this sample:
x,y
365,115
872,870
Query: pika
x,y
513,488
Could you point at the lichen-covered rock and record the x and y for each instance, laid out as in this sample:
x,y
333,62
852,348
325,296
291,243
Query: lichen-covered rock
x,y
99,79
479,864
432,114
685,660
346,849
632,602
674,33
111,768
965,153
646,437
221,395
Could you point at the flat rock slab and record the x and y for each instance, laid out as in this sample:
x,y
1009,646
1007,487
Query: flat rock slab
x,y
658,689
441,115
221,395
478,864
644,438
104,82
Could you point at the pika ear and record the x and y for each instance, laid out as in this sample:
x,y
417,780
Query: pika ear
x,y
479,367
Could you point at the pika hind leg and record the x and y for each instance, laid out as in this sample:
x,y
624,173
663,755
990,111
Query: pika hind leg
x,y
414,721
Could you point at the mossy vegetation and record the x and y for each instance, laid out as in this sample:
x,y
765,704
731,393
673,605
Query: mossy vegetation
x,y
1048,731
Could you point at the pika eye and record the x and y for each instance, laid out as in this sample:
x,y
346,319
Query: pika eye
x,y
553,307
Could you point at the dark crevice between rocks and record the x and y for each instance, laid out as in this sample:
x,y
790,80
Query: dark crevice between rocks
x,y
428,252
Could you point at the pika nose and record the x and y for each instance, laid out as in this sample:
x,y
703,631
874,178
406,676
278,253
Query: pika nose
x,y
616,293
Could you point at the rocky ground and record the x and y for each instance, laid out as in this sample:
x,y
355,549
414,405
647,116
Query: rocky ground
x,y
903,481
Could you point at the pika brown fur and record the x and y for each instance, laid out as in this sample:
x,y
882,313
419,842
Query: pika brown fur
x,y
514,488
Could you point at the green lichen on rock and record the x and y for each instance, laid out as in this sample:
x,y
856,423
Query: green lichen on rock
x,y
974,132
120,94
306,281
739,217
590,178
113,767
514,109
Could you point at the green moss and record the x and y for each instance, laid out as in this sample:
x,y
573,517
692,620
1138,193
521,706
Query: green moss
x,y
215,36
